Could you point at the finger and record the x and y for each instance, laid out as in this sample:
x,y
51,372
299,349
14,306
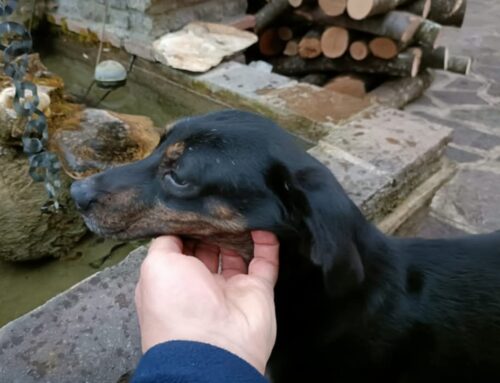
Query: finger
x,y
166,245
209,255
232,263
265,262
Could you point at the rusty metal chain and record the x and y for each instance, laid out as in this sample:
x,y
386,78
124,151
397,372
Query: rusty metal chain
x,y
44,166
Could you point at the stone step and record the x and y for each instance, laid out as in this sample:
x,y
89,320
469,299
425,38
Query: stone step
x,y
381,157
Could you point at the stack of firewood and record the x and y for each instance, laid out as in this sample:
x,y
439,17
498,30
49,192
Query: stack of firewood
x,y
354,45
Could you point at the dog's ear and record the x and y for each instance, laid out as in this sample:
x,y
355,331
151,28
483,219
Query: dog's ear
x,y
326,218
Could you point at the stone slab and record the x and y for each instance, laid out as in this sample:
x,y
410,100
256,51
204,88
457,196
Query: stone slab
x,y
471,200
86,334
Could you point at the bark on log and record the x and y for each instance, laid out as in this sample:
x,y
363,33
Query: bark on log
x,y
310,45
269,12
285,33
398,25
427,34
318,79
270,44
362,9
418,7
333,7
448,12
335,42
436,58
406,64
359,50
459,64
384,48
399,92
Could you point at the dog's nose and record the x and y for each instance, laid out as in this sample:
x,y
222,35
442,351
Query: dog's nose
x,y
83,193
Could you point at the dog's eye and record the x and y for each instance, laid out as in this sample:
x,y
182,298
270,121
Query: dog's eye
x,y
172,178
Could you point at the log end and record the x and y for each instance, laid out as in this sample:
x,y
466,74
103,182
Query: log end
x,y
359,9
333,7
334,42
359,50
384,48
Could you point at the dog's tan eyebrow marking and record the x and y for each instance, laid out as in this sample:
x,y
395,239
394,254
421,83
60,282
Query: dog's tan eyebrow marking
x,y
222,211
174,151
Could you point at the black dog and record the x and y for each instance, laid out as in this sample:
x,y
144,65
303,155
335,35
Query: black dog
x,y
352,303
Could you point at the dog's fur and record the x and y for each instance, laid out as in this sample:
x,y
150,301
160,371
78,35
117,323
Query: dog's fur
x,y
352,303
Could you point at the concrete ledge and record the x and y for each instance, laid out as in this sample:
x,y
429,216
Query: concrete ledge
x,y
87,334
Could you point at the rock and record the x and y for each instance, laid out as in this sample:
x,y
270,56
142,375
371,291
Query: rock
x,y
26,233
87,334
200,46
94,140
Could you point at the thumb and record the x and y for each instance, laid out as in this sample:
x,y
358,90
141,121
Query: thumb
x,y
265,262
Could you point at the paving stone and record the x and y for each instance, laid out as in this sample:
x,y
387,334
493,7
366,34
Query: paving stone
x,y
471,201
490,72
457,97
488,116
461,156
494,90
464,83
87,334
426,226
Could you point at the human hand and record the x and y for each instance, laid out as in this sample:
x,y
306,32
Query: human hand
x,y
182,297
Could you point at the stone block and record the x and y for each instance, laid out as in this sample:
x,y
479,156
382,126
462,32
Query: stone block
x,y
402,148
139,47
471,201
86,334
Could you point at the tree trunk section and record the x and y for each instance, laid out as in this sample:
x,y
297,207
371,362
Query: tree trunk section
x,y
436,58
270,43
427,34
398,25
291,48
459,64
269,12
399,92
335,42
362,9
333,7
359,50
310,45
406,64
421,8
384,48
448,12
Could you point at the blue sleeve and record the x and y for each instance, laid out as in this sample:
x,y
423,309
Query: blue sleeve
x,y
193,362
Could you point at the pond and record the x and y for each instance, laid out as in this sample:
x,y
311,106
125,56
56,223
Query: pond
x,y
25,286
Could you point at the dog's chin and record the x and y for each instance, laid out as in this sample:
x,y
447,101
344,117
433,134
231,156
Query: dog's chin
x,y
111,233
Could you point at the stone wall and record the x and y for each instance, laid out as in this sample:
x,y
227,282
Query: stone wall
x,y
140,21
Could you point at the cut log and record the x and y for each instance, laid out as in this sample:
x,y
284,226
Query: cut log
x,y
318,79
243,23
427,34
359,50
418,7
459,64
285,33
333,7
352,85
299,3
310,45
269,12
291,48
406,64
362,9
334,42
398,25
436,58
384,48
399,92
270,44
448,12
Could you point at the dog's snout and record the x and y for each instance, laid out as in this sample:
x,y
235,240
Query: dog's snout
x,y
83,193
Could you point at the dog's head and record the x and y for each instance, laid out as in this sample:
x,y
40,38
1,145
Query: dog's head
x,y
219,176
